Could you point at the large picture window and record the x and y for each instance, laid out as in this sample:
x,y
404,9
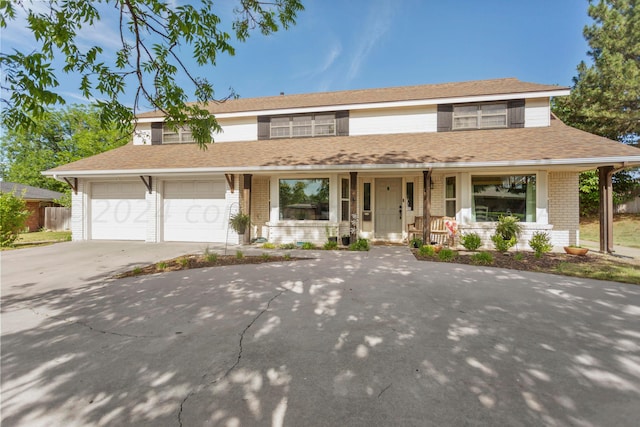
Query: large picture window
x,y
304,199
481,116
495,196
303,125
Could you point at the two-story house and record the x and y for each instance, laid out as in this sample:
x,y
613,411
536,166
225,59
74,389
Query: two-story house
x,y
363,162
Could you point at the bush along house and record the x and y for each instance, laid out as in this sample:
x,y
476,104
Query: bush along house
x,y
365,163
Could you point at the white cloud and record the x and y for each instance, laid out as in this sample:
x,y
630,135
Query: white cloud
x,y
375,26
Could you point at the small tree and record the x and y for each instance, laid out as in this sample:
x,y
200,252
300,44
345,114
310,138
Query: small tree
x,y
13,216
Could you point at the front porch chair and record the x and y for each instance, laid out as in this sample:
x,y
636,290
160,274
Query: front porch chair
x,y
415,228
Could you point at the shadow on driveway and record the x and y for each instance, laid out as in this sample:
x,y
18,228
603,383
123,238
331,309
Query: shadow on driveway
x,y
373,338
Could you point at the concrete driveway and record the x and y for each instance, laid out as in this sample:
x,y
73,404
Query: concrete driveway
x,y
354,339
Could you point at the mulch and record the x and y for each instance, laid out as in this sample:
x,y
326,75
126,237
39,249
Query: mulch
x,y
187,262
525,261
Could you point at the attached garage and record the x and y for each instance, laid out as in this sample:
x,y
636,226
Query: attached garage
x,y
118,211
194,211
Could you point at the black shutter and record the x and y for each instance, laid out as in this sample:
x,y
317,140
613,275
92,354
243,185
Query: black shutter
x,y
515,113
264,127
156,133
342,123
445,117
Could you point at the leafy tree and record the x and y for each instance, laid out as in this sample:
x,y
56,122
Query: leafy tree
x,y
13,216
605,98
58,137
153,36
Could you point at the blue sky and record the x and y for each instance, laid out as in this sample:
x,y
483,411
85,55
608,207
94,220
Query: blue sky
x,y
353,44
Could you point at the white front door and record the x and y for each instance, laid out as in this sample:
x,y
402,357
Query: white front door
x,y
118,211
388,208
194,211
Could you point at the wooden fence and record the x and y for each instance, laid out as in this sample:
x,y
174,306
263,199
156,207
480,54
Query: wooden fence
x,y
57,219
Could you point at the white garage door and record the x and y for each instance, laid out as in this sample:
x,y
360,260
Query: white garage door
x,y
118,211
194,211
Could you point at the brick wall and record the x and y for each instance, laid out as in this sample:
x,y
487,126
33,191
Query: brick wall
x,y
259,205
33,222
564,208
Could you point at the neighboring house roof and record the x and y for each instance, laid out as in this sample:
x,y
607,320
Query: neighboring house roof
x,y
366,96
558,144
28,192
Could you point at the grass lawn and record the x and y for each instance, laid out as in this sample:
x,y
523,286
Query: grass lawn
x,y
44,236
626,230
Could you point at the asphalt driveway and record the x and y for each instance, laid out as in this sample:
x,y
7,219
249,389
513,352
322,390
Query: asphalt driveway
x,y
346,338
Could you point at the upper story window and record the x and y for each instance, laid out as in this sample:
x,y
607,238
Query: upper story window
x,y
303,125
480,116
182,136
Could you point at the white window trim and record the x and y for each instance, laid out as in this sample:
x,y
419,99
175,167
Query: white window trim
x,y
181,133
479,115
291,126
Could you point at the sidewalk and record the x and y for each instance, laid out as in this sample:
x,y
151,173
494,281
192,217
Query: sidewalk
x,y
622,251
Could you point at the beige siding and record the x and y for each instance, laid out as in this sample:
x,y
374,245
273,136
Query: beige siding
x,y
259,206
537,113
238,129
393,120
564,208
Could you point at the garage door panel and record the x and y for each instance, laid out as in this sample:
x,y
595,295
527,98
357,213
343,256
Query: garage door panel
x,y
194,211
119,211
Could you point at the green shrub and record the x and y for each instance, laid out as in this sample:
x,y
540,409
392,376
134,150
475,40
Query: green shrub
x,y
287,256
265,255
268,246
540,243
239,255
501,244
482,258
447,254
518,256
288,246
359,245
308,246
184,262
13,217
211,257
427,250
161,265
330,245
415,242
471,241
137,270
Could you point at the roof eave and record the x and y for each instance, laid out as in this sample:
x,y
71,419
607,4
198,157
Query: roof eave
x,y
575,163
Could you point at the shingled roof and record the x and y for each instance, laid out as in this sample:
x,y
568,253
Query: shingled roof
x,y
558,144
28,192
365,96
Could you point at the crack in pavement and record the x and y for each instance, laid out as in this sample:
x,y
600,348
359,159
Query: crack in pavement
x,y
88,326
236,363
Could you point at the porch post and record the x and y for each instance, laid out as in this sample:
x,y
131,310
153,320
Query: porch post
x,y
605,185
246,201
426,207
353,206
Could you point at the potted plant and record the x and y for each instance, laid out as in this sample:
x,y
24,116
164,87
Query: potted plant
x,y
509,227
576,250
239,222
331,234
346,240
